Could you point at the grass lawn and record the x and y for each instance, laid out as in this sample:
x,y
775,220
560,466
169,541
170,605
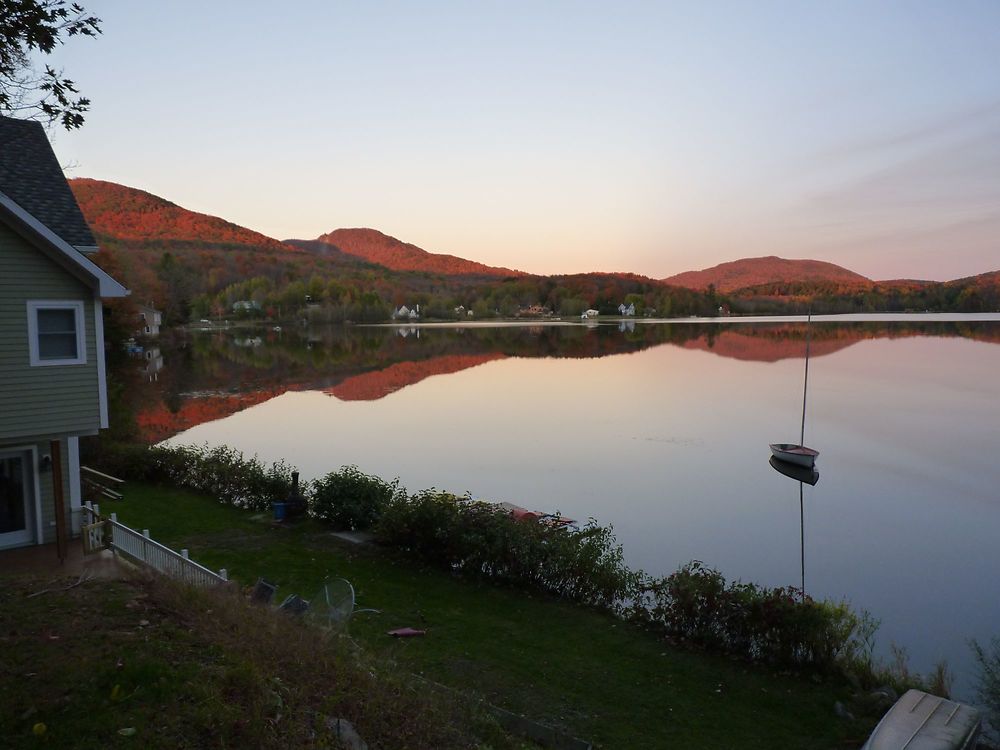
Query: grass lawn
x,y
149,663
590,675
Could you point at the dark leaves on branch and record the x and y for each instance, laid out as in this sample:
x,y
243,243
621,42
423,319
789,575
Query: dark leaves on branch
x,y
37,26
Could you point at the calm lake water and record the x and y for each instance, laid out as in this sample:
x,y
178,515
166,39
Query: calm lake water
x,y
661,430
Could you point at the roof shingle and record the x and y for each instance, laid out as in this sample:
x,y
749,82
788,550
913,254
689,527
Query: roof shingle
x,y
31,176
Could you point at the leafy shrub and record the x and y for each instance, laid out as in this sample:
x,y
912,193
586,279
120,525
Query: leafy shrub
x,y
349,499
224,473
771,625
481,541
988,687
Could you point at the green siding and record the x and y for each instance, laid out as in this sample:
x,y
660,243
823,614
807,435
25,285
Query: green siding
x,y
50,400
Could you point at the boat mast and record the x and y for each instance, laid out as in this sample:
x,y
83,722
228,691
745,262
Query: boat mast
x,y
802,542
805,385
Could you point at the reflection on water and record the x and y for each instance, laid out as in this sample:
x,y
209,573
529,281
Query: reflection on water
x,y
219,372
803,475
661,430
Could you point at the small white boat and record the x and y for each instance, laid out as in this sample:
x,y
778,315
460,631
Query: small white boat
x,y
794,454
797,453
921,721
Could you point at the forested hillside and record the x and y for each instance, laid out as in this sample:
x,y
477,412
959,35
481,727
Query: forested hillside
x,y
194,266
376,247
749,272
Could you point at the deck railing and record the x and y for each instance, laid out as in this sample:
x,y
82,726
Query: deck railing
x,y
100,485
110,532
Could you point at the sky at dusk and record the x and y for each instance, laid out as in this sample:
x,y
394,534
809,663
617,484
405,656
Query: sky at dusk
x,y
565,137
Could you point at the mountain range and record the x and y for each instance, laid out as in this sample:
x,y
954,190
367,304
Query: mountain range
x,y
127,217
375,247
131,215
749,272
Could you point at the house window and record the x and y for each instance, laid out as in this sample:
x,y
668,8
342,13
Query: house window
x,y
55,333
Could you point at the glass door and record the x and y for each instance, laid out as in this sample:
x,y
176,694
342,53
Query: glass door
x,y
16,499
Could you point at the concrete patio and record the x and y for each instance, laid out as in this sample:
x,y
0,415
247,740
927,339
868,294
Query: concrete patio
x,y
43,560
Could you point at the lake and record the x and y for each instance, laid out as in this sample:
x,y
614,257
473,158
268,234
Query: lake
x,y
662,430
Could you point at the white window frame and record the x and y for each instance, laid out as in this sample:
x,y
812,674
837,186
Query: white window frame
x,y
81,340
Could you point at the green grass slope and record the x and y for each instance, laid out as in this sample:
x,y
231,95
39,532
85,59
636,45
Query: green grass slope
x,y
588,674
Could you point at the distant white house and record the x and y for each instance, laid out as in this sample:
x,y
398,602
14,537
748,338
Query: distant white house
x,y
591,313
406,313
630,310
150,319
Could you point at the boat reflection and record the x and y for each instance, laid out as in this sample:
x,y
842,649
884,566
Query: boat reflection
x,y
806,474
803,475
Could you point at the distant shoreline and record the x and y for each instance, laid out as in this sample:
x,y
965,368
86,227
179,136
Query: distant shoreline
x,y
832,318
948,317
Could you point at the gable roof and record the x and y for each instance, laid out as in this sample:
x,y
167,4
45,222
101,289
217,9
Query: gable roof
x,y
54,246
30,175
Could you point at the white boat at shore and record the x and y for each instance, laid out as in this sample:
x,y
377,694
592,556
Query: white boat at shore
x,y
921,721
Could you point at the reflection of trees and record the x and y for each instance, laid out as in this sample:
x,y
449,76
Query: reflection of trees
x,y
200,363
324,356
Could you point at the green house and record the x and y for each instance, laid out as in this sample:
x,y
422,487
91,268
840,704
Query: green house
x,y
52,378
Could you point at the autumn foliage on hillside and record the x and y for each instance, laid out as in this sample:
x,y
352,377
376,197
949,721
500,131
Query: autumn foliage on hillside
x,y
375,247
750,272
130,215
194,266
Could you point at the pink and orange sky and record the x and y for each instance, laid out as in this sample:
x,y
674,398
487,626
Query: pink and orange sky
x,y
565,136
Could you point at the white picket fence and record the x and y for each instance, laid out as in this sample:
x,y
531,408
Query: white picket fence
x,y
141,548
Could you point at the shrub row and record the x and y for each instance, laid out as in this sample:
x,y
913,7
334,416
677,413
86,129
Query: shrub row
x,y
223,473
481,541
770,625
347,499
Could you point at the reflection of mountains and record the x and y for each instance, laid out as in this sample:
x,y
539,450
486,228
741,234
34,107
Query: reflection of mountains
x,y
210,376
772,343
157,422
372,386
738,345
